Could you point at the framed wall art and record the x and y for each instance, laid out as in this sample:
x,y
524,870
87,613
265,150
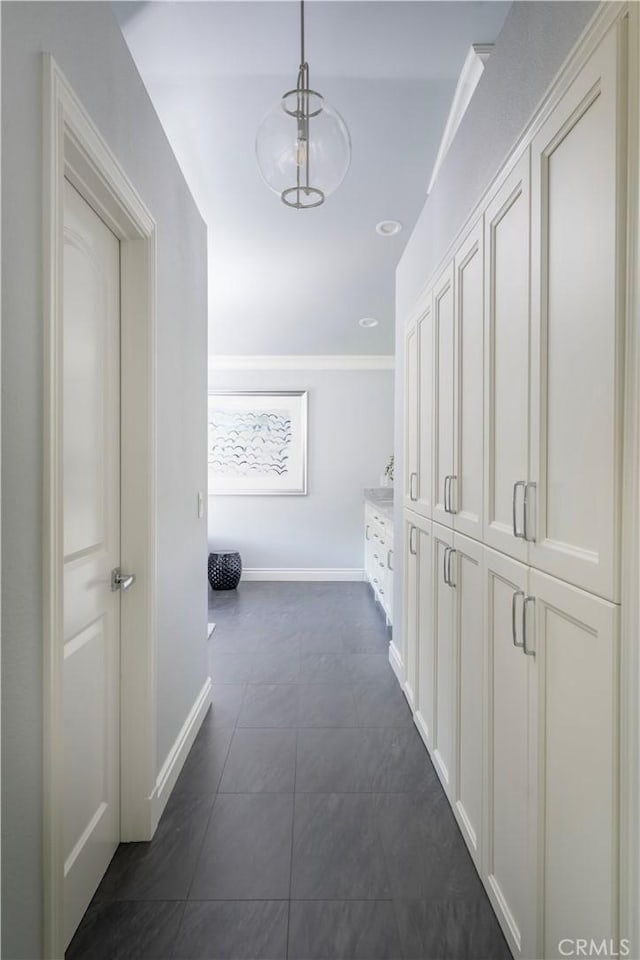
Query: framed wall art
x,y
257,442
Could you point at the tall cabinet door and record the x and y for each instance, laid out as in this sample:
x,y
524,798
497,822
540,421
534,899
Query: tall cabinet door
x,y
577,318
445,660
425,417
425,676
577,649
510,779
466,490
507,362
469,631
410,651
411,408
443,386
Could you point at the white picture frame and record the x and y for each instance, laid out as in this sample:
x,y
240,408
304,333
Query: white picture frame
x,y
257,442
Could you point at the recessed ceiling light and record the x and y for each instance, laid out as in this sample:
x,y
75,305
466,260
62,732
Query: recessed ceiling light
x,y
368,322
388,228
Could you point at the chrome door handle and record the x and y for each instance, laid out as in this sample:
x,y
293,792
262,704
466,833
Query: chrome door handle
x,y
527,650
517,593
412,546
121,581
412,496
389,555
445,566
520,483
446,493
527,486
452,553
452,480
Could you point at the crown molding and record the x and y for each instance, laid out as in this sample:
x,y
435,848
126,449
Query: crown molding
x,y
301,362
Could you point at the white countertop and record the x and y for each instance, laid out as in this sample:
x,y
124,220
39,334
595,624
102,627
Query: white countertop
x,y
382,499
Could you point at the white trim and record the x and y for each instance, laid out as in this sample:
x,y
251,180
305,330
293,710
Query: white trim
x,y
174,762
74,149
472,70
300,362
303,573
396,663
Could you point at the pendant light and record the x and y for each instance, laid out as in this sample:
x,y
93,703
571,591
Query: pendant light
x,y
302,145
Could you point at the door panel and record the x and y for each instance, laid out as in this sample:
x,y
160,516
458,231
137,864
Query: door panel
x,y
411,607
470,691
91,528
577,328
443,414
578,660
468,386
511,749
425,445
411,418
507,357
425,696
445,661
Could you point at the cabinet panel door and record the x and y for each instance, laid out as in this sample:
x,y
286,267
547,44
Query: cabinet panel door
x,y
410,645
468,386
411,407
425,696
510,818
506,358
443,418
444,738
577,314
425,418
578,662
470,691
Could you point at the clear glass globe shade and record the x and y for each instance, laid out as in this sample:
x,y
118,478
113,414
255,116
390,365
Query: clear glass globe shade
x,y
280,154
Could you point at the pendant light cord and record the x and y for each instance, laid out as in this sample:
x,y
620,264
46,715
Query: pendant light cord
x,y
301,32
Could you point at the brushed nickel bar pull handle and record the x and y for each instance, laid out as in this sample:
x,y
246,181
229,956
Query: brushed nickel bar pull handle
x,y
517,533
444,566
514,600
528,651
366,532
412,496
446,493
527,487
450,580
412,545
389,555
452,479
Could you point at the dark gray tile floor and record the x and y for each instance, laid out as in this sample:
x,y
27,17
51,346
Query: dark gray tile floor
x,y
308,822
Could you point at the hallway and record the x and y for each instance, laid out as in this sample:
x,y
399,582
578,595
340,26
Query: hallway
x,y
308,821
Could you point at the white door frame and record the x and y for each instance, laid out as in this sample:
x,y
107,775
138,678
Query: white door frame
x,y
74,149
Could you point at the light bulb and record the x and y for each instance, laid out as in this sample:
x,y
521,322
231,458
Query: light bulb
x,y
301,152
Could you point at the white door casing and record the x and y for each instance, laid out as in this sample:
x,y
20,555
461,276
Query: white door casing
x,y
91,531
75,151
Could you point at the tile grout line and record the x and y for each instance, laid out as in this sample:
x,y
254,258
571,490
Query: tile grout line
x,y
293,820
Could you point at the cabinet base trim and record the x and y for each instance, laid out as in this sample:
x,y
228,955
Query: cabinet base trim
x,y
303,573
396,663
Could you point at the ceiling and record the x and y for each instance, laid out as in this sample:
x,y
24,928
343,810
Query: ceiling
x,y
285,281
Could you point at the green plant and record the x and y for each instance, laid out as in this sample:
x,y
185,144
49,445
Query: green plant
x,y
388,470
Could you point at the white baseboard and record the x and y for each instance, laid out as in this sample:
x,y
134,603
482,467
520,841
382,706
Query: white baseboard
x,y
178,753
396,663
302,573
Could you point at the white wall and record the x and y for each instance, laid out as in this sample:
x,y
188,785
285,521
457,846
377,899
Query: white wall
x,y
350,442
87,44
535,41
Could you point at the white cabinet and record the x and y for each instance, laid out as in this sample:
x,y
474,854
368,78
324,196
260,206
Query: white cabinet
x,y
551,772
466,485
417,565
378,556
578,223
511,751
445,660
419,411
506,456
443,414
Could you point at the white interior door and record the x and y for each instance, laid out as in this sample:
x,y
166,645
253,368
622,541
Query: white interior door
x,y
443,419
506,459
468,386
511,756
577,325
91,531
470,691
445,659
